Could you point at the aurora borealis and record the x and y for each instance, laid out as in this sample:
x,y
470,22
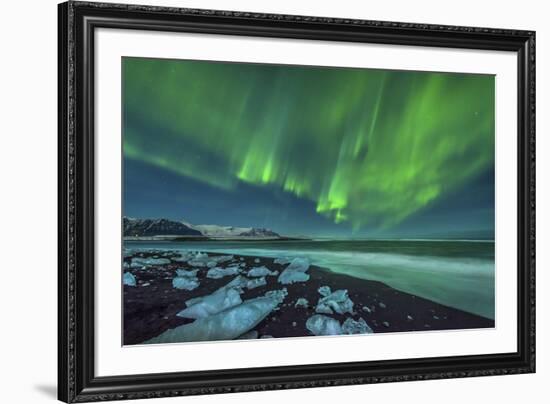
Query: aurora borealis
x,y
305,149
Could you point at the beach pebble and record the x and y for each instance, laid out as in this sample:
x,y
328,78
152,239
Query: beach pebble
x,y
386,324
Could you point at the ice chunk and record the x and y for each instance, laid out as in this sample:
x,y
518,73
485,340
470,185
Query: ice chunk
x,y
324,291
382,305
338,301
185,282
228,324
261,271
145,262
129,279
301,302
249,335
295,272
183,257
195,263
279,294
187,274
323,325
360,326
217,273
281,261
256,260
256,282
237,282
289,277
205,306
198,259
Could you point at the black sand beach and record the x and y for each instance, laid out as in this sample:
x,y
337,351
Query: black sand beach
x,y
151,306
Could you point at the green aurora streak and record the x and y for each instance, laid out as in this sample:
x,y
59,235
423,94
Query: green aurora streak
x,y
368,147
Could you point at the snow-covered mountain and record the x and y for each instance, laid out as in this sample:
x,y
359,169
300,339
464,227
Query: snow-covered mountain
x,y
156,227
164,227
216,231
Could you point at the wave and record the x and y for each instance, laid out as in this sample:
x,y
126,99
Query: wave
x,y
465,283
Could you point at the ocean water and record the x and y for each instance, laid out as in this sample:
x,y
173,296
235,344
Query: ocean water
x,y
460,274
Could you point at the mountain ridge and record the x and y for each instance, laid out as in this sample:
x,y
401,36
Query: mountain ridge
x,y
137,228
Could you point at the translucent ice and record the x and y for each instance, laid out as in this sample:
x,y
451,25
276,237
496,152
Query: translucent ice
x,y
256,282
281,261
145,262
337,301
261,271
185,282
217,273
295,272
205,306
228,324
187,274
324,291
301,302
351,326
249,335
129,279
323,325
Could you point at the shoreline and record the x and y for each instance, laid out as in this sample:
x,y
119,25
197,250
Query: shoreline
x,y
151,306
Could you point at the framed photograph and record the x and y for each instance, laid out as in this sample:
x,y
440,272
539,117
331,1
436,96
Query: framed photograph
x,y
255,201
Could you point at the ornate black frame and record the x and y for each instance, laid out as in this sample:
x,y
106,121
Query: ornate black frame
x,y
77,22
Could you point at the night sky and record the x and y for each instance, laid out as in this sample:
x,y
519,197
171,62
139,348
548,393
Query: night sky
x,y
312,151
